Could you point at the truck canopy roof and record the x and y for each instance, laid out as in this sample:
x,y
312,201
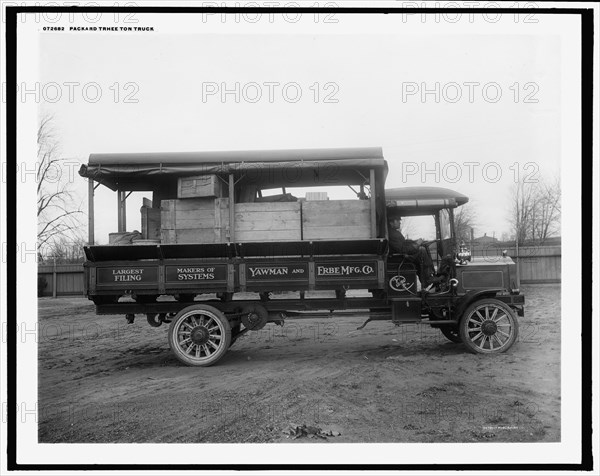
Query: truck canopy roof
x,y
145,171
408,201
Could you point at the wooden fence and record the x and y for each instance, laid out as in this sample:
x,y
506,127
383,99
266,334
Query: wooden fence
x,y
536,265
61,279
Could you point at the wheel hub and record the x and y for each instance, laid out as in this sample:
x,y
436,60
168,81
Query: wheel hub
x,y
253,318
489,328
199,335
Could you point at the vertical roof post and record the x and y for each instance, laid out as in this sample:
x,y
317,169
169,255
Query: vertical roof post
x,y
373,208
121,212
90,212
231,209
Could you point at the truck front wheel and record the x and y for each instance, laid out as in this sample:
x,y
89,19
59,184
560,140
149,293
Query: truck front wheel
x,y
199,335
488,326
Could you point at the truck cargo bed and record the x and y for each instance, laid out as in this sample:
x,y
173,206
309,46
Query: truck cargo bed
x,y
235,267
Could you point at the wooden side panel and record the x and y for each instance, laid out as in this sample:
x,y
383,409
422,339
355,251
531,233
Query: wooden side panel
x,y
200,186
150,223
336,219
277,221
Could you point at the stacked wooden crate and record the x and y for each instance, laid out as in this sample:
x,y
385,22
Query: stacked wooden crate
x,y
195,220
198,215
336,219
201,186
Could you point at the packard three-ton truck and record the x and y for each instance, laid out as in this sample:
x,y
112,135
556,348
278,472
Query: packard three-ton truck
x,y
226,247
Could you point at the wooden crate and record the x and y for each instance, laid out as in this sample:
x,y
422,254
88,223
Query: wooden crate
x,y
195,220
199,187
271,221
313,196
336,219
150,223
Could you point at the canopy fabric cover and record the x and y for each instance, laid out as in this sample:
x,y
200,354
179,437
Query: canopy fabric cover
x,y
420,200
133,171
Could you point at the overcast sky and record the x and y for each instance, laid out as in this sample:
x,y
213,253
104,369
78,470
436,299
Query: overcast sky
x,y
360,82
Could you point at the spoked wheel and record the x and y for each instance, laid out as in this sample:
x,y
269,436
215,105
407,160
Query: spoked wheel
x,y
451,333
489,326
199,335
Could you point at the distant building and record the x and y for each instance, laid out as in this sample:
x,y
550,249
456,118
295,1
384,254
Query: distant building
x,y
485,239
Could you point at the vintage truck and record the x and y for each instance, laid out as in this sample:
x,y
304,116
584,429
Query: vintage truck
x,y
227,248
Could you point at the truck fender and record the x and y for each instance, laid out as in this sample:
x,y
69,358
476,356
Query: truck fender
x,y
472,296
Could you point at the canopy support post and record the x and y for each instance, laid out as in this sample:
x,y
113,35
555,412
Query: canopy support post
x,y
121,212
90,212
373,207
231,209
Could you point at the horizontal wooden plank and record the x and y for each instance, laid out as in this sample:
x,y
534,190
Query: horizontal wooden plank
x,y
335,206
264,207
205,235
267,225
269,235
280,216
194,204
359,218
253,215
337,232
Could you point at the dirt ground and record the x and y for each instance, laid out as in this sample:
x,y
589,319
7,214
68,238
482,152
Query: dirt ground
x,y
102,380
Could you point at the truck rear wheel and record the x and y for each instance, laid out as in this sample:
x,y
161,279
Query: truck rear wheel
x,y
489,326
199,335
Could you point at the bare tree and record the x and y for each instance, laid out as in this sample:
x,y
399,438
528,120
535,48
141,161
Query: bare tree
x,y
58,214
547,210
521,211
535,211
66,249
464,221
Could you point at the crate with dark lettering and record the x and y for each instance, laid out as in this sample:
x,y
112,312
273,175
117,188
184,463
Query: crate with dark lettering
x,y
199,186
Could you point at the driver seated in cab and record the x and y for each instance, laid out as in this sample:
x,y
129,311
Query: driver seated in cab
x,y
413,249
